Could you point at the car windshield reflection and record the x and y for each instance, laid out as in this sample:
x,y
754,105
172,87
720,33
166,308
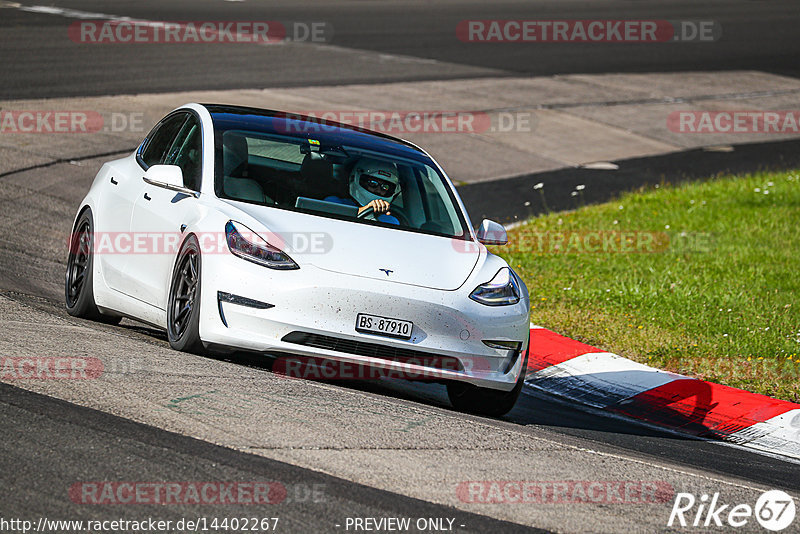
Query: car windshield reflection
x,y
337,181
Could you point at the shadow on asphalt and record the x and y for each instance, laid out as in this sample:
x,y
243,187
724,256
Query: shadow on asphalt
x,y
532,408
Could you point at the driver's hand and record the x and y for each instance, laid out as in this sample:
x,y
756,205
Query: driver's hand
x,y
380,206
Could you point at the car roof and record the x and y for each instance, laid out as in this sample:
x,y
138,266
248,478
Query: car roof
x,y
226,117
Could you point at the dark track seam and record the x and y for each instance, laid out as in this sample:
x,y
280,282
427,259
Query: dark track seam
x,y
65,160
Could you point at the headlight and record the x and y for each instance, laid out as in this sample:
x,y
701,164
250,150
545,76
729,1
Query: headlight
x,y
502,290
254,248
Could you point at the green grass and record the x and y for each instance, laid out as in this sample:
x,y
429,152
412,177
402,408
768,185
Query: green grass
x,y
717,298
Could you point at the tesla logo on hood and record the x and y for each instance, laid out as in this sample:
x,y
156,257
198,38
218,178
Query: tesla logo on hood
x,y
387,271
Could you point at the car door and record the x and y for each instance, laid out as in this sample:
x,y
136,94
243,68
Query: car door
x,y
125,186
160,216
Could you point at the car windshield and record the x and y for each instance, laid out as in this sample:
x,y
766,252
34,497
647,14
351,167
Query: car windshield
x,y
307,175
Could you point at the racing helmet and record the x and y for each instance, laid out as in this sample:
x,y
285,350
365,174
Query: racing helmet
x,y
373,179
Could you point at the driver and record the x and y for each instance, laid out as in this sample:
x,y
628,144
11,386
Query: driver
x,y
373,184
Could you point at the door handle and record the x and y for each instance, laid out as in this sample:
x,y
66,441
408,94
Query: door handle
x,y
113,181
146,196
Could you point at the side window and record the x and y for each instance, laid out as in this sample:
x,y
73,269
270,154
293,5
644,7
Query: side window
x,y
186,152
161,138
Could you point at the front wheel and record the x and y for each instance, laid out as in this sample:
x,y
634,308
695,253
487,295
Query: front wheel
x,y
183,307
484,401
78,284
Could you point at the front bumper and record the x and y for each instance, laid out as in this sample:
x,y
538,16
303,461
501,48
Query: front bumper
x,y
320,303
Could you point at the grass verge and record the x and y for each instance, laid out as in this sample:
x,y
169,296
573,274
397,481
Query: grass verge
x,y
701,279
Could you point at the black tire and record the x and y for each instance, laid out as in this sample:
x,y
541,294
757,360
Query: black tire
x,y
78,283
183,306
484,401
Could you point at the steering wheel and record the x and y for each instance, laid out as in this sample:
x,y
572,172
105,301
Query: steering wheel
x,y
366,213
402,219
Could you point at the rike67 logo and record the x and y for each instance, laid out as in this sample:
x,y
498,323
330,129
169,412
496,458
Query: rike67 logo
x,y
774,510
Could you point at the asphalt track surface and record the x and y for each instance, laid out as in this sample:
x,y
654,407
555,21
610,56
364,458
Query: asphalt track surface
x,y
51,443
417,40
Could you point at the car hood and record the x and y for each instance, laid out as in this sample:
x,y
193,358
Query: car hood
x,y
365,250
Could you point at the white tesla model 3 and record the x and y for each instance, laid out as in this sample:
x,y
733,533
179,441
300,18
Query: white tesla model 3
x,y
241,228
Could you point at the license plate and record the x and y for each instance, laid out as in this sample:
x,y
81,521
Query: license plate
x,y
384,326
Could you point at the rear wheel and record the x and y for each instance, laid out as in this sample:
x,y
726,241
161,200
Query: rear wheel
x,y
78,288
183,307
484,401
